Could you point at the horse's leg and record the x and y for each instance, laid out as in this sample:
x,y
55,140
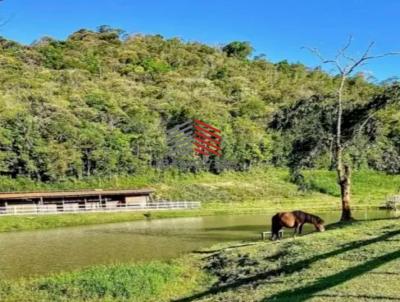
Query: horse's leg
x,y
296,228
276,235
277,232
301,228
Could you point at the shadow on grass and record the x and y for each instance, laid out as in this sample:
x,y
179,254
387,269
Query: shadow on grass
x,y
344,224
378,219
340,225
300,265
306,292
364,297
385,273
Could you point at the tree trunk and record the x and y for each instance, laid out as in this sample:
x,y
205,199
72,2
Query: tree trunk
x,y
345,185
343,171
344,181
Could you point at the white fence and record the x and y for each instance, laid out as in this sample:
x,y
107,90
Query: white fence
x,y
59,209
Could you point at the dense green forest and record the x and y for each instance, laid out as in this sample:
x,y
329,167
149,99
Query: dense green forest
x,y
100,102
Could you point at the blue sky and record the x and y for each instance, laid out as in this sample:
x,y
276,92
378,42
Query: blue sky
x,y
276,28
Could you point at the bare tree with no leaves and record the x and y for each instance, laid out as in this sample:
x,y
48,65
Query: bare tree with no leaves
x,y
345,66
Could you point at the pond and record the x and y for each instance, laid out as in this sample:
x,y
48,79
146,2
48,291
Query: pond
x,y
42,252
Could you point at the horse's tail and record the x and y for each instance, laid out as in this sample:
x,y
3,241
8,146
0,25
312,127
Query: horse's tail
x,y
275,226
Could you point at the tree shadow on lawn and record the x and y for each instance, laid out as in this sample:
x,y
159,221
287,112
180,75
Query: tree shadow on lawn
x,y
344,224
306,292
378,219
300,265
385,273
367,297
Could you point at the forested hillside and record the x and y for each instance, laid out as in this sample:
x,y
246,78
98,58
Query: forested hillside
x,y
99,103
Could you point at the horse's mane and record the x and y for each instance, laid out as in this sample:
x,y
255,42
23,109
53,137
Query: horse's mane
x,y
315,218
312,218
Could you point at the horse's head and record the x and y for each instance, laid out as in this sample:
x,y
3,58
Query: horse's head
x,y
319,226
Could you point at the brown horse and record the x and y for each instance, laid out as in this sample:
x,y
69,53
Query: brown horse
x,y
295,219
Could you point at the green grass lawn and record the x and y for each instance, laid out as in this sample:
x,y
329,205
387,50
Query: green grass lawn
x,y
354,262
368,187
358,261
256,191
154,281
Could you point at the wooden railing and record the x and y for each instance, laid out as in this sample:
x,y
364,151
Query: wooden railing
x,y
59,209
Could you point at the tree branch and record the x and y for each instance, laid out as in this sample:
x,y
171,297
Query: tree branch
x,y
317,53
355,63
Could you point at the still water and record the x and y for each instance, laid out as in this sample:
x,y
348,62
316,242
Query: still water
x,y
46,251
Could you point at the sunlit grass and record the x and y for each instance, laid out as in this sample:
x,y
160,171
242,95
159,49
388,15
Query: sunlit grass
x,y
349,262
368,187
154,281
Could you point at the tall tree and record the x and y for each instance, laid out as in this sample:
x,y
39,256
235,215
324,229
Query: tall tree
x,y
238,49
346,66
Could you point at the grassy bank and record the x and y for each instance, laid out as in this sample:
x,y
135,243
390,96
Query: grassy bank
x,y
256,191
154,281
354,262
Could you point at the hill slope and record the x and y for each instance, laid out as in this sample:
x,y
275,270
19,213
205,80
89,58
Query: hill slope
x,y
99,104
